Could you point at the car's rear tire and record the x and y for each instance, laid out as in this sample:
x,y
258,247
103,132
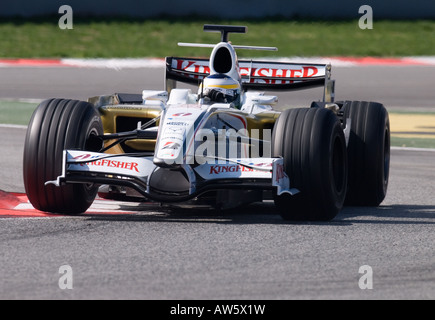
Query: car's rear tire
x,y
368,152
56,125
313,147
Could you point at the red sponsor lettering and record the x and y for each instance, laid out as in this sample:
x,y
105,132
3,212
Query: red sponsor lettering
x,y
266,71
293,73
193,66
205,69
304,72
218,169
180,64
263,72
275,74
214,170
307,73
189,64
244,71
282,73
132,166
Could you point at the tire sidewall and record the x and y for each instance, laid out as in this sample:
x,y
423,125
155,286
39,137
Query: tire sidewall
x,y
368,152
307,142
57,125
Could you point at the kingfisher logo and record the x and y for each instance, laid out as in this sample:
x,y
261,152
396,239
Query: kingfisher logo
x,y
219,169
269,73
132,166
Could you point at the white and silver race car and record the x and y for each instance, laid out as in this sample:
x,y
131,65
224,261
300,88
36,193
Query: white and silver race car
x,y
220,144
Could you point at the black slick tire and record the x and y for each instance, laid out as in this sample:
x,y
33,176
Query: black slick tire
x,y
368,152
313,147
56,125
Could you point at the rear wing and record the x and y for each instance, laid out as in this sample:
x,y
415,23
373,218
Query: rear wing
x,y
257,75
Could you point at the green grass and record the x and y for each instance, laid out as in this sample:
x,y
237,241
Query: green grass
x,y
413,142
98,38
16,112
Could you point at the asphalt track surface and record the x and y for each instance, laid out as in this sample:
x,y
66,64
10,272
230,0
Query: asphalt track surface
x,y
398,87
161,253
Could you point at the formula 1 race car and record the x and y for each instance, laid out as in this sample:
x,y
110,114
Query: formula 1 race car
x,y
221,144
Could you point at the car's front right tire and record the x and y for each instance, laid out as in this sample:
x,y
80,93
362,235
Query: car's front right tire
x,y
313,147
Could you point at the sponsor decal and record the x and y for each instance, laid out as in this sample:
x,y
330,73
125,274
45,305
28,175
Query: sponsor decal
x,y
132,166
258,168
171,145
264,70
191,66
182,114
296,72
115,164
219,169
177,123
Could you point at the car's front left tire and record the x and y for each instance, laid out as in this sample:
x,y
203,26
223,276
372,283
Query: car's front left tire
x,y
56,125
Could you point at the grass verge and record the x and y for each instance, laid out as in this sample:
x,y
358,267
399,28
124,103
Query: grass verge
x,y
413,142
118,37
16,112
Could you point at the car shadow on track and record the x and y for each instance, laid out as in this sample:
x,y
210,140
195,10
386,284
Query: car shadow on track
x,y
266,213
390,214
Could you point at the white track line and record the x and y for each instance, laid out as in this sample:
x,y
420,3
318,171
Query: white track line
x,y
13,126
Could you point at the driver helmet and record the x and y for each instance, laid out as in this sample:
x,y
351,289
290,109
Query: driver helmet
x,y
221,88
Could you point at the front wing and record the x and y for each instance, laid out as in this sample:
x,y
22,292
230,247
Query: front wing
x,y
136,171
